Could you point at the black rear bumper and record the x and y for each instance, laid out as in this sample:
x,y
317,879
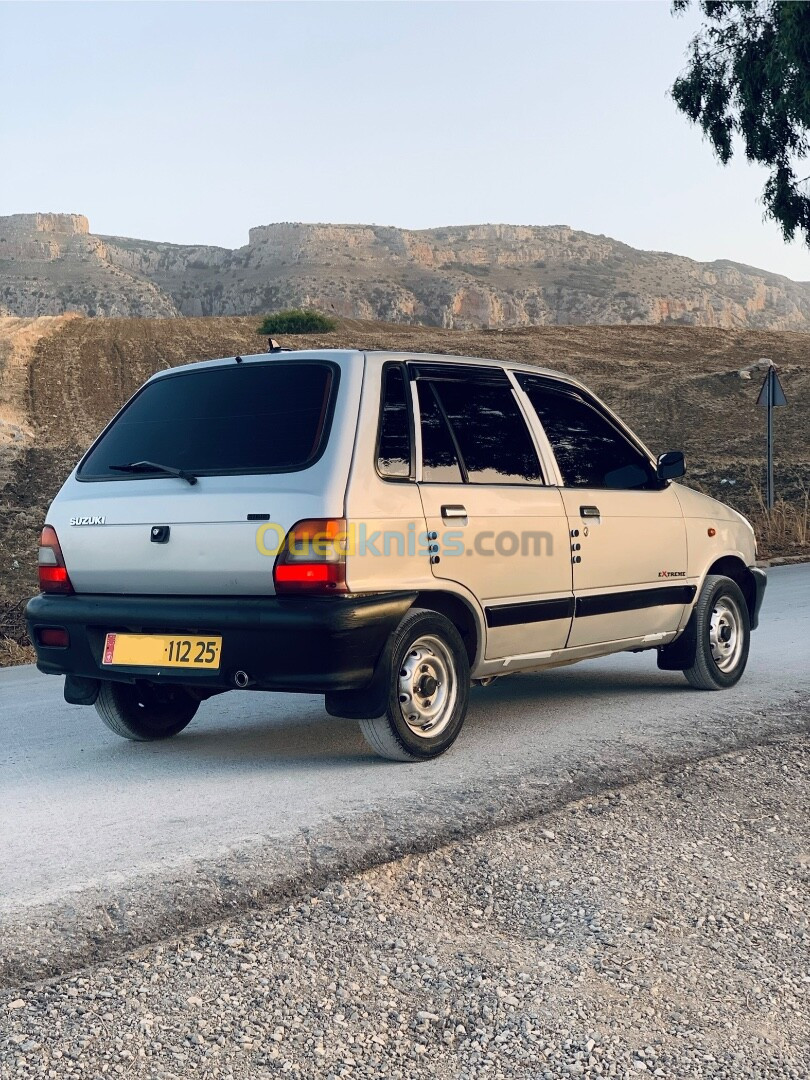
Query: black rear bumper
x,y
298,644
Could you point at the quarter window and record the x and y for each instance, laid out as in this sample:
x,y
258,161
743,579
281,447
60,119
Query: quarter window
x,y
394,447
590,450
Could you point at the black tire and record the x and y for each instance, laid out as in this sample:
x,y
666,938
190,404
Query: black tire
x,y
144,712
429,678
721,610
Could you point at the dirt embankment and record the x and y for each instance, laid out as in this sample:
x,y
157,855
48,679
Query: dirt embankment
x,y
62,378
19,340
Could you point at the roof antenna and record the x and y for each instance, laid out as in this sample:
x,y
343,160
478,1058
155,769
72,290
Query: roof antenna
x,y
238,359
274,345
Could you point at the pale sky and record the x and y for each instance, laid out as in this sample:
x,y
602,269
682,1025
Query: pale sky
x,y
191,122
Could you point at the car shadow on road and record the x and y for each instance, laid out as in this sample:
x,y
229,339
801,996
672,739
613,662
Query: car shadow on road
x,y
293,735
563,683
295,731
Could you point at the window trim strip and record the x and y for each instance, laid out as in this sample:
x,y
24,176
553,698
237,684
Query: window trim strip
x,y
456,372
465,476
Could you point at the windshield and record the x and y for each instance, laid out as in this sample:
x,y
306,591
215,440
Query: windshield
x,y
245,418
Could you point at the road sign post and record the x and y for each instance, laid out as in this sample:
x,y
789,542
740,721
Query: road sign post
x,y
770,396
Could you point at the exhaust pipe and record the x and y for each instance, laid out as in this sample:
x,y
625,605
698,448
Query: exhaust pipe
x,y
241,680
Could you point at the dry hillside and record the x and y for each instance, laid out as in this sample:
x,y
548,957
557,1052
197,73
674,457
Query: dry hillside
x,y
460,277
61,379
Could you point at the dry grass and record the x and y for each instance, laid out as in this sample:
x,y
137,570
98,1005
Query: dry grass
x,y
15,648
784,530
12,653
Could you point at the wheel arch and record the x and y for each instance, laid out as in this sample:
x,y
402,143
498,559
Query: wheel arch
x,y
732,566
368,702
461,615
680,654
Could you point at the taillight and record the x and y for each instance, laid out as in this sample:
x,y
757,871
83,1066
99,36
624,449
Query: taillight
x,y
313,558
53,575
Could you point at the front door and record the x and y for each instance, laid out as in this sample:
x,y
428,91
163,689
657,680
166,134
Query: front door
x,y
628,537
497,528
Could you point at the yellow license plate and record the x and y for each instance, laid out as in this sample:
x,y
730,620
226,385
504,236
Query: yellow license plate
x,y
152,650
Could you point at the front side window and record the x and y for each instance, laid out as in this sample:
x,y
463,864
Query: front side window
x,y
590,451
240,418
475,428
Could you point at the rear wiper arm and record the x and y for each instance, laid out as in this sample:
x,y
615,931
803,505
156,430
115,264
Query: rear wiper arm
x,y
153,467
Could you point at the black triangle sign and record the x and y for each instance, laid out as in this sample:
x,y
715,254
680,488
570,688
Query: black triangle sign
x,y
775,393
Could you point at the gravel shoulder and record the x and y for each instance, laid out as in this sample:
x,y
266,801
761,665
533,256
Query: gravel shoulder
x,y
83,921
660,928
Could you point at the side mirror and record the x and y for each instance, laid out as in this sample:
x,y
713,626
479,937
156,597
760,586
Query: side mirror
x,y
671,465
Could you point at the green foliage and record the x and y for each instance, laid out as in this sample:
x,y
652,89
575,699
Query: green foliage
x,y
297,321
749,76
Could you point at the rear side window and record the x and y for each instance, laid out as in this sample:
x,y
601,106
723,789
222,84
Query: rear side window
x,y
590,451
440,464
394,445
244,418
490,435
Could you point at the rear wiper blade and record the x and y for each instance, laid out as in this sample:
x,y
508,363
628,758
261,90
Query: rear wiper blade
x,y
154,467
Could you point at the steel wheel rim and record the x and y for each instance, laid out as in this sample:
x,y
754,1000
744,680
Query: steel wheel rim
x,y
427,687
726,633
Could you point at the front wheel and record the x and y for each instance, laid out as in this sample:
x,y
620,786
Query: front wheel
x,y
145,712
428,691
722,635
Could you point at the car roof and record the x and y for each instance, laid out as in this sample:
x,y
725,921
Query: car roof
x,y
379,356
452,358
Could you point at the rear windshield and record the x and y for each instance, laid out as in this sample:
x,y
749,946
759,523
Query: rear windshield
x,y
245,418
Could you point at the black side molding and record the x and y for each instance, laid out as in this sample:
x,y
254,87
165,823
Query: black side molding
x,y
531,612
604,604
608,603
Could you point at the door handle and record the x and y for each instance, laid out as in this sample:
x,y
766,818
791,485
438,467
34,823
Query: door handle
x,y
454,513
589,511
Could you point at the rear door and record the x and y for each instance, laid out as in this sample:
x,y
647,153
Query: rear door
x,y
496,527
627,530
262,441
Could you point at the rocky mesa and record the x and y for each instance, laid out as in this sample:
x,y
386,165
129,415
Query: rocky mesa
x,y
459,277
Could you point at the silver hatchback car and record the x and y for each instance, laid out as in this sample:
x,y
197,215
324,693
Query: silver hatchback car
x,y
381,528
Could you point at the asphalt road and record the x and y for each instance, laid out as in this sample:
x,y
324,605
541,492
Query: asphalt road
x,y
262,790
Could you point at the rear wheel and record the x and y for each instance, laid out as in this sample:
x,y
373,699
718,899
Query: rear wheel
x,y
145,712
722,635
429,685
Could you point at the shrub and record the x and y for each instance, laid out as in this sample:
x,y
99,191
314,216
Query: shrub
x,y
297,321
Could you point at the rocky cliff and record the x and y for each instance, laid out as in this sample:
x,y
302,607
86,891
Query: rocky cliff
x,y
52,263
459,277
